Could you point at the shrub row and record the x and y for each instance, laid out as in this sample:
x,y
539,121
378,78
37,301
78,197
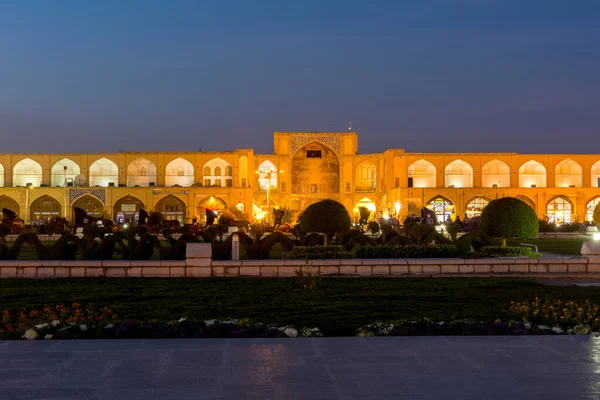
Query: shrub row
x,y
508,251
316,252
408,251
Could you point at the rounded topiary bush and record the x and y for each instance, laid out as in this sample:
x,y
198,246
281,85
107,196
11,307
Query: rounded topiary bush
x,y
509,218
326,216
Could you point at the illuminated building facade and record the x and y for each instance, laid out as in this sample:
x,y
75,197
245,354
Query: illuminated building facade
x,y
305,167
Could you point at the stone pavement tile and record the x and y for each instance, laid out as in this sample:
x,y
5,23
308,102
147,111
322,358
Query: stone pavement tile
x,y
347,371
299,391
282,374
341,346
292,347
194,358
158,394
113,355
174,380
383,385
63,393
77,373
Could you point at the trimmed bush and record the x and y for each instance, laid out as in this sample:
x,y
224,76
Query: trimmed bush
x,y
509,218
409,251
508,251
226,218
326,216
316,253
596,216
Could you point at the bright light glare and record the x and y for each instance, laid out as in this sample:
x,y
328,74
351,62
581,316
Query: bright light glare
x,y
597,236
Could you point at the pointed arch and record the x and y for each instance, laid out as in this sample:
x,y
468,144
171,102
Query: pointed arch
x,y
127,209
63,173
172,208
1,175
179,172
141,172
267,175
91,204
366,177
560,210
475,206
568,173
421,174
10,204
243,171
212,203
27,172
590,207
104,172
220,173
532,174
527,200
44,208
495,172
596,174
442,206
459,174
317,170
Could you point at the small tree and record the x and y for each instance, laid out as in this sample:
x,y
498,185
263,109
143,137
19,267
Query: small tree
x,y
326,216
509,218
596,216
155,219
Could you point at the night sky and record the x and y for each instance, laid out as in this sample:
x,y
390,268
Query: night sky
x,y
441,76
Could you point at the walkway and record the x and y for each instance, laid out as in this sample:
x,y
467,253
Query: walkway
x,y
334,368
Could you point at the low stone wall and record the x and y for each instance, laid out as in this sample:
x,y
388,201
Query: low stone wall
x,y
204,267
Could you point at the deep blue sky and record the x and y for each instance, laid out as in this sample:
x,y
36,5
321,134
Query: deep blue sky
x,y
437,75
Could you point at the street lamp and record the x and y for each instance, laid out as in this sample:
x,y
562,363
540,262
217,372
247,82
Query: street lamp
x,y
268,174
397,207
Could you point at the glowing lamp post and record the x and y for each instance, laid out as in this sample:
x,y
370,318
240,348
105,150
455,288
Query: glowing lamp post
x,y
268,174
397,208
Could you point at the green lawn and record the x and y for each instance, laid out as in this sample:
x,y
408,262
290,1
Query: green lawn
x,y
338,307
560,246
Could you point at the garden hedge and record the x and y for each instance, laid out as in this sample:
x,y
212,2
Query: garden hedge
x,y
408,251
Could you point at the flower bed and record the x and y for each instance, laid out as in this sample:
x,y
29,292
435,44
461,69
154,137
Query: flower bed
x,y
77,322
427,327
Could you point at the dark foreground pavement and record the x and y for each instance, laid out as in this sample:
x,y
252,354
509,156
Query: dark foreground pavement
x,y
330,368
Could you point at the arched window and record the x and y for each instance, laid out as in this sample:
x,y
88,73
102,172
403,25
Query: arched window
x,y
141,172
217,166
532,174
91,205
366,177
459,174
496,173
476,206
559,210
421,174
27,172
104,172
64,173
267,175
568,174
45,208
179,172
442,207
596,174
591,206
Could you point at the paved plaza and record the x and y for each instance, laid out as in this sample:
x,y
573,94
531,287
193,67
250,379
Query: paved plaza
x,y
326,368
